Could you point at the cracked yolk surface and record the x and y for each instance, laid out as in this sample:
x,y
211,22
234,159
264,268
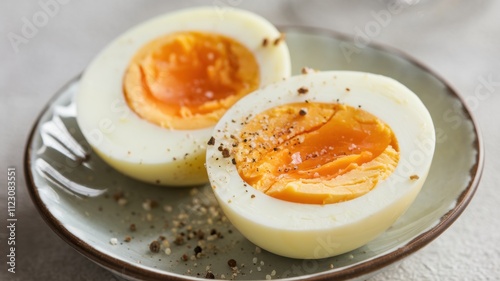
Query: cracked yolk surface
x,y
187,80
315,153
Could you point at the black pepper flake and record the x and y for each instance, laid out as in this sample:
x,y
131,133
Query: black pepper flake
x,y
233,161
302,90
253,196
347,89
302,112
179,240
211,141
306,70
225,153
231,263
210,275
118,195
184,257
154,246
279,39
414,177
264,42
132,227
197,250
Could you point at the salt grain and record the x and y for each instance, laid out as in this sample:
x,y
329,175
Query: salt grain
x,y
113,241
146,205
165,243
122,201
296,159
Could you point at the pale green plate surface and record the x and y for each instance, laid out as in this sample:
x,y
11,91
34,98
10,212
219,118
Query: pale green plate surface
x,y
59,182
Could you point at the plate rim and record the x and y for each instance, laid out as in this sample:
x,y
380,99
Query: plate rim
x,y
130,270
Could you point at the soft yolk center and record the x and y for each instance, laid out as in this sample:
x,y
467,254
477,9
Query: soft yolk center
x,y
316,153
187,80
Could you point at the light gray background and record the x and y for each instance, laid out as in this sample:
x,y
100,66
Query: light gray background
x,y
458,39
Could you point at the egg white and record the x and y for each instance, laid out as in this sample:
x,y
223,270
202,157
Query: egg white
x,y
141,149
310,231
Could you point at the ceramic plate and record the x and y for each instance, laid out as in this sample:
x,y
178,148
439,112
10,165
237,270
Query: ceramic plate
x,y
113,220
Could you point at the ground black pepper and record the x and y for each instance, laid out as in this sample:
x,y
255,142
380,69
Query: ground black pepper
x,y
132,227
279,39
231,263
225,153
197,250
184,257
302,90
154,246
179,240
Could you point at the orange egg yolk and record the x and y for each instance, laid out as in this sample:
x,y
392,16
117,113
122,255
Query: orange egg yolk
x,y
315,153
187,80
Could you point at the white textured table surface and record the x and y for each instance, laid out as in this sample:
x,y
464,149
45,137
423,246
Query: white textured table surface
x,y
458,39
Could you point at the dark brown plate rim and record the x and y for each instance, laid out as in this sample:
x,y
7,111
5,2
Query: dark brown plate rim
x,y
364,268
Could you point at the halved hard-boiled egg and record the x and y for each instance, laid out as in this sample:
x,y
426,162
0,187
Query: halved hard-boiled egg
x,y
148,102
322,163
